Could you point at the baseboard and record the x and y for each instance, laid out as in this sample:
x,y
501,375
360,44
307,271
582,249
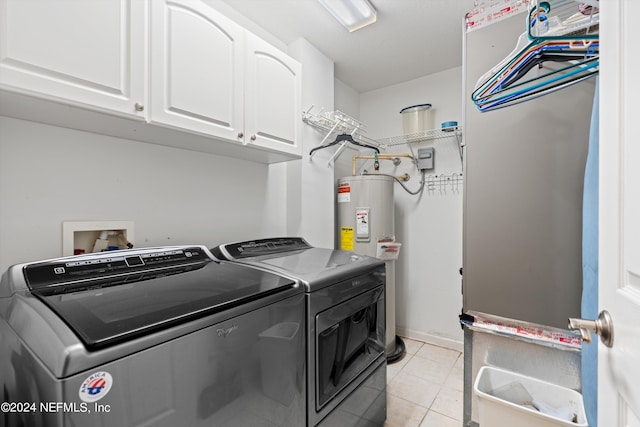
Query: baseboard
x,y
431,339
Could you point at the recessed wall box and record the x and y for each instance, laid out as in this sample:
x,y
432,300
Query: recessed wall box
x,y
426,158
94,236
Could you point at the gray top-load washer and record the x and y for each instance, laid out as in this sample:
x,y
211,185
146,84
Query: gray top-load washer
x,y
158,336
345,328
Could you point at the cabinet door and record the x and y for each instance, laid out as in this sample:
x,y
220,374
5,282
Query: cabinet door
x,y
86,53
196,69
273,114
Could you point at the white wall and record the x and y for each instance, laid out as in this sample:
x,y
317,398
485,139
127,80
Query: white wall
x,y
310,180
50,174
347,99
380,109
428,283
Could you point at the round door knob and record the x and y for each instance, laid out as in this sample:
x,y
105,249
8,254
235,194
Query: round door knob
x,y
240,135
253,137
139,107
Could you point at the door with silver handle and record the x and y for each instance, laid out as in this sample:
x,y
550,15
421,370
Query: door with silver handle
x,y
602,326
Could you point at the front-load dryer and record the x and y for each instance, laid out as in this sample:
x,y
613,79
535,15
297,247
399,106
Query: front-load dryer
x,y
345,328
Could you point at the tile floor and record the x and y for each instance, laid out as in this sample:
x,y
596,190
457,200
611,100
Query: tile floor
x,y
425,388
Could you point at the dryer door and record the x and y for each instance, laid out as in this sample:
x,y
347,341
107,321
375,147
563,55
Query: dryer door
x,y
350,337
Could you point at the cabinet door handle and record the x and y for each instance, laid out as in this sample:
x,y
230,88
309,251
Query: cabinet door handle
x,y
253,137
240,135
139,107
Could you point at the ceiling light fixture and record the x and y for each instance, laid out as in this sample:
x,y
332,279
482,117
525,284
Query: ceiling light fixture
x,y
353,14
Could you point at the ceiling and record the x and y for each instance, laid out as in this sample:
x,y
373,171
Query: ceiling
x,y
411,38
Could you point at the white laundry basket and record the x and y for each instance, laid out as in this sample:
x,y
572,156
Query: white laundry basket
x,y
503,394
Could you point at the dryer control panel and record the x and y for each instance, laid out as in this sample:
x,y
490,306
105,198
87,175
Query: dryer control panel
x,y
254,248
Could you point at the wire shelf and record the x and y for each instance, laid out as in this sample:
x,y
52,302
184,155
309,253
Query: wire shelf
x,y
428,135
563,19
334,122
338,122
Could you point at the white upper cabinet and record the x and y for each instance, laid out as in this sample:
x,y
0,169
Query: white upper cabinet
x,y
273,114
197,69
210,76
188,76
84,53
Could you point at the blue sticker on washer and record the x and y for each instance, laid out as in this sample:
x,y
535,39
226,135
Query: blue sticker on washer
x,y
95,387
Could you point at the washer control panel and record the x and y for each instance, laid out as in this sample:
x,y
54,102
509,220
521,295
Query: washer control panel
x,y
107,265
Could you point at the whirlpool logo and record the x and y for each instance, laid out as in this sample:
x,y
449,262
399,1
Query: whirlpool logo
x,y
95,387
222,332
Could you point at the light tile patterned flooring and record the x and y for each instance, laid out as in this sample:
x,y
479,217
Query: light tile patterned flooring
x,y
425,388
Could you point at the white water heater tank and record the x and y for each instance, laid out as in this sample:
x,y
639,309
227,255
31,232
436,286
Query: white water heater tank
x,y
366,214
